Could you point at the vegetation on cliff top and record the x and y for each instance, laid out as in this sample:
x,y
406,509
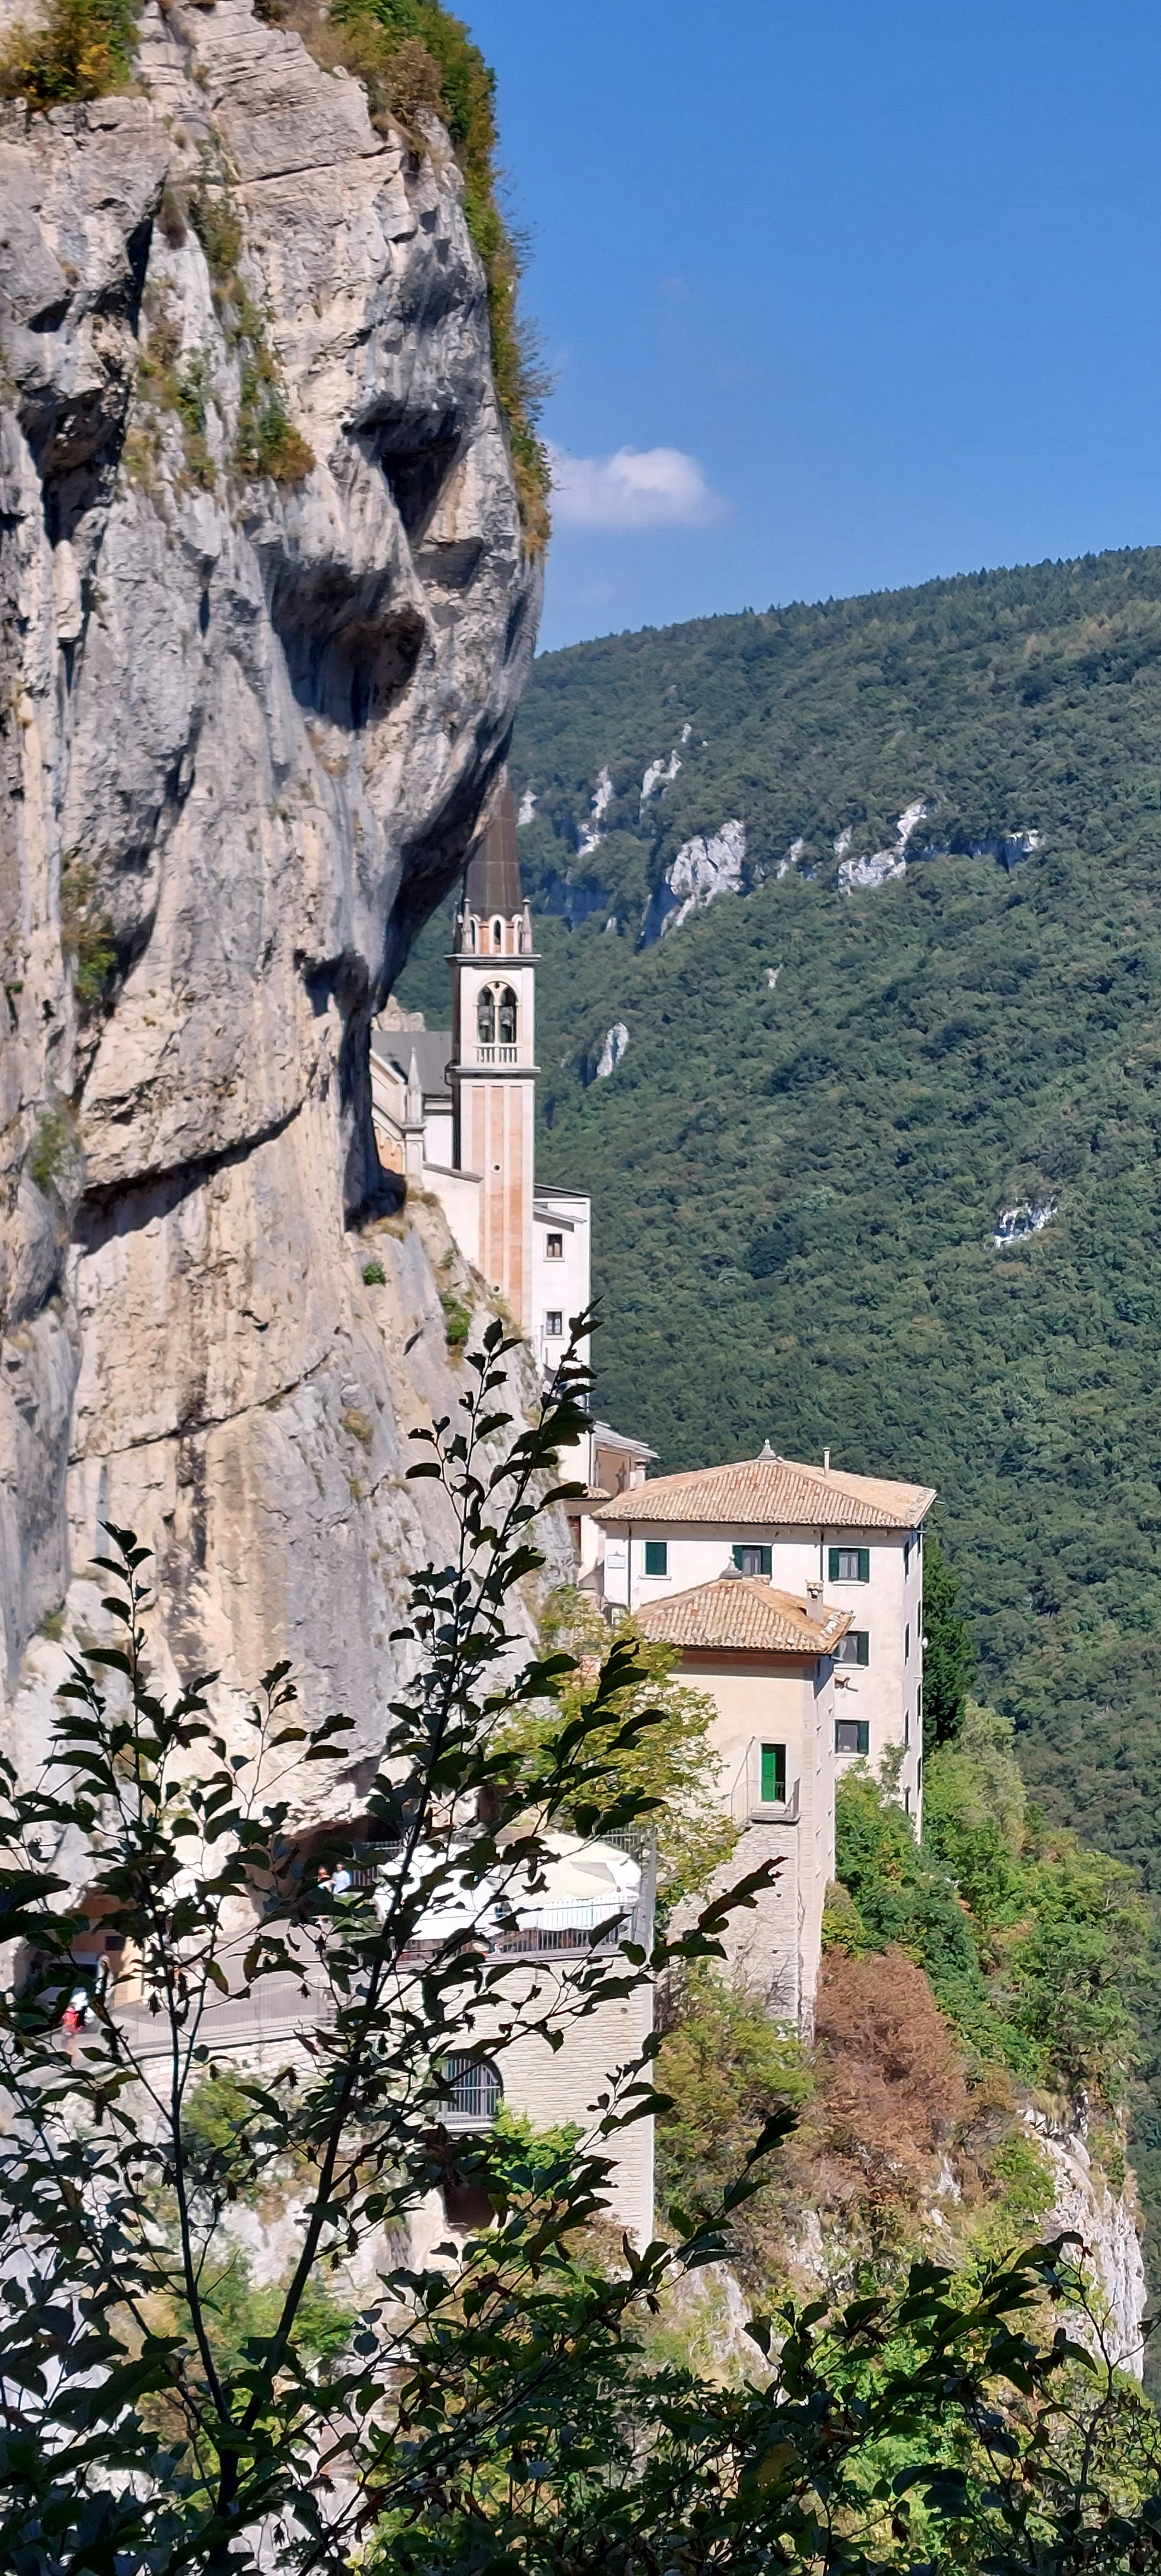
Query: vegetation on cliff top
x,y
78,49
413,56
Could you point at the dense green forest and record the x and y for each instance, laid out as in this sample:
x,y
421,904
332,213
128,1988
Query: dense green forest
x,y
797,1182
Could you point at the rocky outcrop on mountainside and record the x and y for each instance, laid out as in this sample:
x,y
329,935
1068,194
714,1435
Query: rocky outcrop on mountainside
x,y
266,617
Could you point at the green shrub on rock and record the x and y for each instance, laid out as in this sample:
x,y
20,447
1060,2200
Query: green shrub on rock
x,y
81,49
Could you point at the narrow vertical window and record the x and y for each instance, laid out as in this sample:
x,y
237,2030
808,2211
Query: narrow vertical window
x,y
486,1017
507,1017
656,1556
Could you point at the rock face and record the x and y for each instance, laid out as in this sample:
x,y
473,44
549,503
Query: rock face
x,y
713,863
249,728
1106,2224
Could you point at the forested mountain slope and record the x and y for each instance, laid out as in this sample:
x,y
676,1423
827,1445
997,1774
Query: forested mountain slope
x,y
833,1092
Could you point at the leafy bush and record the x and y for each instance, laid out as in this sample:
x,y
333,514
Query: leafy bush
x,y
86,938
457,1321
52,1147
949,1660
374,1275
656,1742
725,2066
1036,1945
890,2092
81,49
266,443
164,380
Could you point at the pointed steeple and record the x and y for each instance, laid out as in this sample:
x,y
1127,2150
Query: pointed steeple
x,y
493,879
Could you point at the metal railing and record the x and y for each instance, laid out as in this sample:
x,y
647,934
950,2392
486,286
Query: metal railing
x,y
537,1940
747,1805
496,1055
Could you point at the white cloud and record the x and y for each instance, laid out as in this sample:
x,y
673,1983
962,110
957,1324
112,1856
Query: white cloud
x,y
639,487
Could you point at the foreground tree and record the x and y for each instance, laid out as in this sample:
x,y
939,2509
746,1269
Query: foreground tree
x,y
503,2409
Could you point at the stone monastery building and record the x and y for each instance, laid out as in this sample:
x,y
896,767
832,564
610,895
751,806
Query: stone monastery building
x,y
792,1593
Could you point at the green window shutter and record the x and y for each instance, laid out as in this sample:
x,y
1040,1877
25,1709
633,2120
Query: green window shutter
x,y
864,1565
773,1774
656,1556
862,1646
864,1735
834,1565
737,1555
766,1560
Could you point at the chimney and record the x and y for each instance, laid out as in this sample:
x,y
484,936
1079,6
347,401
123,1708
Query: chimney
x,y
826,1462
814,1600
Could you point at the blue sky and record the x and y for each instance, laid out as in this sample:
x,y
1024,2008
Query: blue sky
x,y
869,289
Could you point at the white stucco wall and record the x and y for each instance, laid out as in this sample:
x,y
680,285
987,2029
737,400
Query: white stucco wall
x,y
777,1944
885,1693
562,1286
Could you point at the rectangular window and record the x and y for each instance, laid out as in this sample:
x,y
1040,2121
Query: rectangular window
x,y
773,1775
907,1643
852,1735
752,1560
554,1247
656,1556
554,1324
906,1557
850,1564
906,1730
854,1648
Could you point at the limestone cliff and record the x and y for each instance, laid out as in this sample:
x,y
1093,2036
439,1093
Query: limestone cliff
x,y
250,721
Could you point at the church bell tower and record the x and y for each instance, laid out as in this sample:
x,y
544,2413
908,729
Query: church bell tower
x,y
493,1066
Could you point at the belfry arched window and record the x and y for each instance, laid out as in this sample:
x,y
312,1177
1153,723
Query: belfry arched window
x,y
498,935
486,1017
507,1017
472,931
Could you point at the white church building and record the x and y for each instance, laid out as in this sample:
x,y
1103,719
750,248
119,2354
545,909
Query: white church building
x,y
454,1109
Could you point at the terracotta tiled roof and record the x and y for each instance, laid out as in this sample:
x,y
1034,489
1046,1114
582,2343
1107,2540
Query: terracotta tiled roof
x,y
773,1493
740,1611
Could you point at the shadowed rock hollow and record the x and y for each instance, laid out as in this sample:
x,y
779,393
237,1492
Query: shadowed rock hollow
x,y
249,728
